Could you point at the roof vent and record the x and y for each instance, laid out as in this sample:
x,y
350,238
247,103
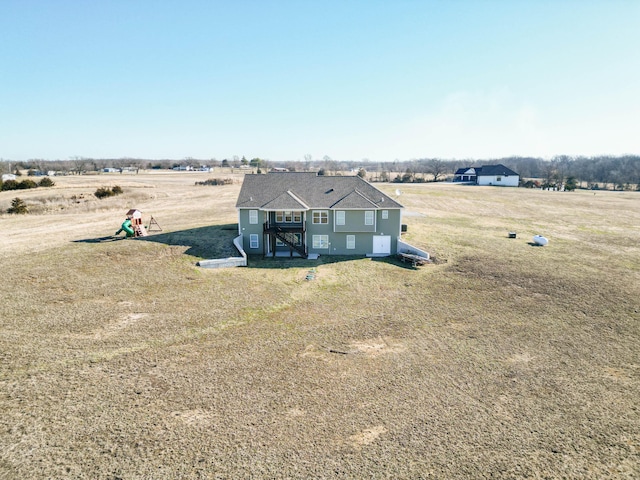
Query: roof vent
x,y
329,191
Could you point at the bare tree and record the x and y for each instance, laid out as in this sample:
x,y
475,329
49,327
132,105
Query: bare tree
x,y
79,164
307,162
330,165
549,173
437,168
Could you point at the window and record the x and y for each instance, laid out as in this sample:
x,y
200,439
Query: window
x,y
253,240
320,217
288,217
498,179
253,216
351,242
321,241
340,217
385,214
368,217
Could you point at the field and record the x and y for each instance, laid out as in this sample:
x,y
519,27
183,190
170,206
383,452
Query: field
x,y
120,359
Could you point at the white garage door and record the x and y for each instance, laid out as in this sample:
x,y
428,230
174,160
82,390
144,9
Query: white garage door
x,y
382,244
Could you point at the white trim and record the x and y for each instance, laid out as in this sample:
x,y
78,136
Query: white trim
x,y
381,244
319,243
320,212
297,199
369,221
351,242
253,238
253,217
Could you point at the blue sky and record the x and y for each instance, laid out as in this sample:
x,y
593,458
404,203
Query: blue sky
x,y
380,80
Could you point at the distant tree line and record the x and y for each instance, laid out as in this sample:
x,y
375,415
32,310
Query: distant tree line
x,y
610,172
83,165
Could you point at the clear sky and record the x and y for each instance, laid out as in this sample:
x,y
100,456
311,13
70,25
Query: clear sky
x,y
348,79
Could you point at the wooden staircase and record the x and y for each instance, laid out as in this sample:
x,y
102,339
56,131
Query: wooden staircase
x,y
290,239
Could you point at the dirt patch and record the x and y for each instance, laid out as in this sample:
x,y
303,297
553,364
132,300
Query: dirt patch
x,y
316,352
618,374
295,413
127,321
195,418
521,358
372,348
377,347
366,436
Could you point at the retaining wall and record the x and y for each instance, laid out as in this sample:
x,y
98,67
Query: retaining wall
x,y
404,247
227,262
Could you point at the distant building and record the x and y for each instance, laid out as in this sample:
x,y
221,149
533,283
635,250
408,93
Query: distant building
x,y
493,175
8,176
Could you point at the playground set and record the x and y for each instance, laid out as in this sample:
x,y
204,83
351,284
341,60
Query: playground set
x,y
133,227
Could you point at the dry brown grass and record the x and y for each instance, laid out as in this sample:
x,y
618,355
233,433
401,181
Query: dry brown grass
x,y
503,360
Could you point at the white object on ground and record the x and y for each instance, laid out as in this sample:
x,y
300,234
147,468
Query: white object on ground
x,y
540,240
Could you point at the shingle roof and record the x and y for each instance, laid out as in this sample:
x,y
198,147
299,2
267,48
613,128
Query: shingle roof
x,y
469,170
305,190
355,200
285,201
494,170
486,170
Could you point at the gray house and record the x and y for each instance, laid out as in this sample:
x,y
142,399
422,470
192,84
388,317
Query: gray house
x,y
305,214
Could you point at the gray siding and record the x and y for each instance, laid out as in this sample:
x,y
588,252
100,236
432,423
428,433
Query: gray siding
x,y
390,226
318,229
246,229
337,240
363,240
363,244
354,221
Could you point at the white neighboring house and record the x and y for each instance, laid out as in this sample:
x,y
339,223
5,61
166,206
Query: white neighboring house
x,y
494,175
8,176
